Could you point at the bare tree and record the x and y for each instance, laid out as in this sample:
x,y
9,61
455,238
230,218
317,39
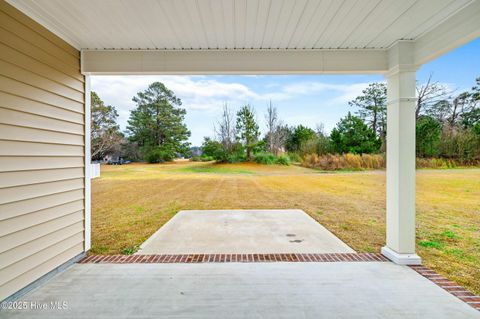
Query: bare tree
x,y
320,129
276,134
429,94
271,119
440,111
460,105
105,132
225,128
323,142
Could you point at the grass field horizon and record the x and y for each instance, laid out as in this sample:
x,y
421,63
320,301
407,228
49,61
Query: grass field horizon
x,y
130,202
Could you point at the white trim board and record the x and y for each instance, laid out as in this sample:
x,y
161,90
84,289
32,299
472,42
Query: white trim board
x,y
88,192
100,62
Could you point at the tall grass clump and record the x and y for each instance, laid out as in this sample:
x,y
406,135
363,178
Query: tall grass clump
x,y
332,162
437,163
294,157
375,161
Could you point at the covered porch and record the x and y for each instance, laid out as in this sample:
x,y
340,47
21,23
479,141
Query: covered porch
x,y
49,51
246,264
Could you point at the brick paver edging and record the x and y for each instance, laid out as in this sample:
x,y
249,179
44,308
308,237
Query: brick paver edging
x,y
450,286
227,258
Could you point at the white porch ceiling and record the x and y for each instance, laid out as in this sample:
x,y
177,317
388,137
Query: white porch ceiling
x,y
239,24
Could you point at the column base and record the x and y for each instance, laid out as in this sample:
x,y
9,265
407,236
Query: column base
x,y
401,259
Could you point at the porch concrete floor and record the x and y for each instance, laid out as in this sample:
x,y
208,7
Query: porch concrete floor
x,y
245,290
242,232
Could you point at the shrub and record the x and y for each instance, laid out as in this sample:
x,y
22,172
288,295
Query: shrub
x,y
298,136
235,158
461,144
352,135
265,158
214,149
159,155
203,158
283,160
428,134
207,158
309,146
294,157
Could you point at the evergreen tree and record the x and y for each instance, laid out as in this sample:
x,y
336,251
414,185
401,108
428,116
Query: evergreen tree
x,y
298,136
352,135
247,129
372,107
157,124
428,134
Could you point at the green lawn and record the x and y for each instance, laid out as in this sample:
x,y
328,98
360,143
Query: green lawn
x,y
131,202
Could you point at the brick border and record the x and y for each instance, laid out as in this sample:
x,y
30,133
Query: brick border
x,y
227,258
449,286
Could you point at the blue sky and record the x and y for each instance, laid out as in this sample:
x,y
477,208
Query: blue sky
x,y
300,99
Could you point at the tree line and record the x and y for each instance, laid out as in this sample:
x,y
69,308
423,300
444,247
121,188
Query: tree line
x,y
447,126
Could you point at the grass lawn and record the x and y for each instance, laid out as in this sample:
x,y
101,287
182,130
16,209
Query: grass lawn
x,y
131,202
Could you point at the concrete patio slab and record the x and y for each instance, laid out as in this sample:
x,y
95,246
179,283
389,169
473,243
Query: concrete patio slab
x,y
239,290
242,232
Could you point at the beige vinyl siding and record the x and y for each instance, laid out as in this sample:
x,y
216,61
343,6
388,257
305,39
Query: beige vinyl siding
x,y
42,196
19,103
43,268
11,148
40,203
22,163
19,178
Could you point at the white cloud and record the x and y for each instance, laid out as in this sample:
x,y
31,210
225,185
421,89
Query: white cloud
x,y
343,92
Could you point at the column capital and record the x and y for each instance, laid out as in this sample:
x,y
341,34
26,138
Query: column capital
x,y
401,57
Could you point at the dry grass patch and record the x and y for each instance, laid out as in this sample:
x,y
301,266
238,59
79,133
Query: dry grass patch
x,y
131,202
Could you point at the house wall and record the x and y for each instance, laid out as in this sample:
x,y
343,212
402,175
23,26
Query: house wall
x,y
42,117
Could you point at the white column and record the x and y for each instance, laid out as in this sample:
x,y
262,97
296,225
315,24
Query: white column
x,y
87,226
400,246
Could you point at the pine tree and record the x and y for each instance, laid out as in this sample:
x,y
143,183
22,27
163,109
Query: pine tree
x,y
247,129
372,108
157,124
352,135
